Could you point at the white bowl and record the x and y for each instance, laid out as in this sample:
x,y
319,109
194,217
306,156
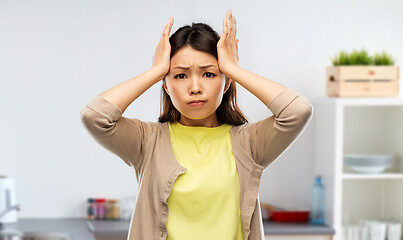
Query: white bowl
x,y
368,163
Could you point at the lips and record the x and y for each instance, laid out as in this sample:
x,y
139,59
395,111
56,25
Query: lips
x,y
197,103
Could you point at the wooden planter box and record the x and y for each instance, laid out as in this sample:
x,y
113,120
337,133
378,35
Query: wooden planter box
x,y
362,81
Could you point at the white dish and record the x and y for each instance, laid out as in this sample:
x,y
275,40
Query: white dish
x,y
368,164
368,170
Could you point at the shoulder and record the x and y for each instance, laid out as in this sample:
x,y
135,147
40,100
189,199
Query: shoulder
x,y
249,126
146,126
241,131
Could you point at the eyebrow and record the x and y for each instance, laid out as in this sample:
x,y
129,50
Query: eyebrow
x,y
201,67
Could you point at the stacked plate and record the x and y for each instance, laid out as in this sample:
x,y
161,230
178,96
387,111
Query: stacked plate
x,y
368,164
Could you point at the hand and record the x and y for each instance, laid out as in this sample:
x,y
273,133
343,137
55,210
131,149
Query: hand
x,y
227,46
162,58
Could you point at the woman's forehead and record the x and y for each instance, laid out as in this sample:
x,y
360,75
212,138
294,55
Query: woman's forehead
x,y
189,57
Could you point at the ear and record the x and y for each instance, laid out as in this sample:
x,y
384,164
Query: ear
x,y
227,84
165,85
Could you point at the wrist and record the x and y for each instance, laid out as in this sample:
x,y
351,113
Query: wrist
x,y
158,72
230,69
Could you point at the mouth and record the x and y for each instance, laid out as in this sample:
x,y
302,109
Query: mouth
x,y
197,103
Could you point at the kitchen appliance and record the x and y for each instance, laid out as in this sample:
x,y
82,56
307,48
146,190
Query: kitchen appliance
x,y
7,199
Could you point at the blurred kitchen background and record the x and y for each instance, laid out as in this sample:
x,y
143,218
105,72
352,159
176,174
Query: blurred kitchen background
x,y
55,56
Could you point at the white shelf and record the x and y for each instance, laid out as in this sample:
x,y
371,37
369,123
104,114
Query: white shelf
x,y
359,126
373,176
359,101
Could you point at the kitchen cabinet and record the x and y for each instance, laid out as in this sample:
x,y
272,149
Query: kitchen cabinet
x,y
109,230
76,228
299,237
359,126
296,231
116,230
110,237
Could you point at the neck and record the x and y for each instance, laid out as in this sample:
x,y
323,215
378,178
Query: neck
x,y
205,122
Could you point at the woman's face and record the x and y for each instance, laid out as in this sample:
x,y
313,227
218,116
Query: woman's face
x,y
195,76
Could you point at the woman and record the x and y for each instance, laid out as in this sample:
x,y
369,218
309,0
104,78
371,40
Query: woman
x,y
198,167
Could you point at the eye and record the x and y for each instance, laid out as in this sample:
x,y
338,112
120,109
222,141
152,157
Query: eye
x,y
210,75
179,76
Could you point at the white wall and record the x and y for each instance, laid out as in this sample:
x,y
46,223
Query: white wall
x,y
55,56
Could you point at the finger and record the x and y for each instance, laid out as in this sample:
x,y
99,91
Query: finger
x,y
228,22
162,38
229,25
225,27
171,23
228,12
233,29
166,28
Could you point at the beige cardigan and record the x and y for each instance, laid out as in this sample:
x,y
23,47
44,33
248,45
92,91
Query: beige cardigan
x,y
146,147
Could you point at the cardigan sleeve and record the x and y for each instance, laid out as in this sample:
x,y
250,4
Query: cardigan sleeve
x,y
120,135
270,137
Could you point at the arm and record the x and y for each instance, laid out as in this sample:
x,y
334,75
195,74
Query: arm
x,y
227,50
292,112
263,88
103,118
123,94
271,137
122,136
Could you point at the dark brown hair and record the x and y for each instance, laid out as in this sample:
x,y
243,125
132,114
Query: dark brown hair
x,y
201,37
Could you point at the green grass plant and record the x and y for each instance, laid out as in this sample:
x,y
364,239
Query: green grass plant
x,y
362,57
383,59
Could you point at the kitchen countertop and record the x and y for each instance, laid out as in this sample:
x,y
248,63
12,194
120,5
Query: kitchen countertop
x,y
75,227
270,228
83,229
112,227
284,228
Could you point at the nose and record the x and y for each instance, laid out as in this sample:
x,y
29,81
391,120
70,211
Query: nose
x,y
195,87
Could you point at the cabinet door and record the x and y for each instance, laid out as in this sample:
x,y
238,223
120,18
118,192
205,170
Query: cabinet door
x,y
298,237
110,237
